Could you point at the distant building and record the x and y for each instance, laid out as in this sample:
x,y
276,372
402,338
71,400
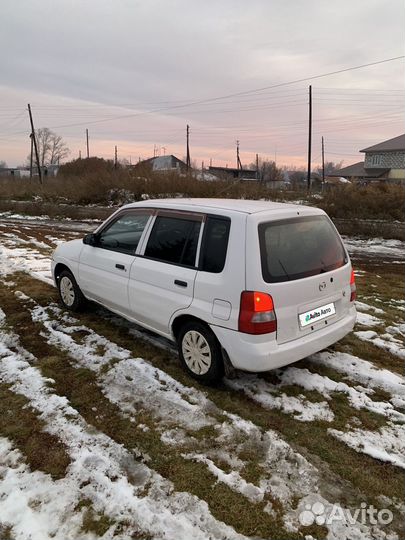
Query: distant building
x,y
163,164
384,161
230,172
24,172
17,172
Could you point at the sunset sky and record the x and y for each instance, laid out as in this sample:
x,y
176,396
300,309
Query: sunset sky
x,y
135,72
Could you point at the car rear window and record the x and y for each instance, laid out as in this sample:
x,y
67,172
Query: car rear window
x,y
300,247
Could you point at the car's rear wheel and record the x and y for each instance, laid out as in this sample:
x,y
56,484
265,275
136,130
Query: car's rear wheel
x,y
200,353
69,292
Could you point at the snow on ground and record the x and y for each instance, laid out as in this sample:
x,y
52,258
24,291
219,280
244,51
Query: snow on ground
x,y
362,371
269,396
12,215
287,475
359,396
373,247
386,444
362,307
232,479
98,472
365,319
134,384
25,260
384,341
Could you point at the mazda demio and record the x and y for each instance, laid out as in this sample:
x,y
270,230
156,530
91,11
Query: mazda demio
x,y
252,285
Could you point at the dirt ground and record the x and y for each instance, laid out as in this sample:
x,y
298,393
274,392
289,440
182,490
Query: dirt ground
x,y
102,435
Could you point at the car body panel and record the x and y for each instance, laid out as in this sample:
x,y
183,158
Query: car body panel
x,y
144,290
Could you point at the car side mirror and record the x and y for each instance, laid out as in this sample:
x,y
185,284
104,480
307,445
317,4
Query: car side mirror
x,y
90,239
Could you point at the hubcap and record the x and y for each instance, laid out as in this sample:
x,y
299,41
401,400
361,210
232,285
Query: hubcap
x,y
67,291
196,352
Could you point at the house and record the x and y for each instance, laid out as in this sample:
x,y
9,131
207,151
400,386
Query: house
x,y
24,172
231,173
16,172
384,161
168,163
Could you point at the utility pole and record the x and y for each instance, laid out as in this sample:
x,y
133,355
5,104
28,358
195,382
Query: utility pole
x,y
87,143
323,163
210,162
115,157
35,143
188,160
309,139
238,161
257,167
80,154
31,155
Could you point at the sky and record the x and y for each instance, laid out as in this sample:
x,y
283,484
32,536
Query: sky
x,y
136,72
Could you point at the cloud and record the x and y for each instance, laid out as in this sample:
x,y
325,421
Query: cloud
x,y
76,62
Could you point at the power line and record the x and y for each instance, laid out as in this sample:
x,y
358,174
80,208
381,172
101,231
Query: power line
x,y
246,92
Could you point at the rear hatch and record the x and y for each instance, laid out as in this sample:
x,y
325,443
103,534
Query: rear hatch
x,y
306,269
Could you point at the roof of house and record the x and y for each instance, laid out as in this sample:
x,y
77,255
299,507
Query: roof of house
x,y
235,205
357,169
390,145
163,162
231,169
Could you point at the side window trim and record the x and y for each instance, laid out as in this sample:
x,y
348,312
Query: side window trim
x,y
200,241
146,234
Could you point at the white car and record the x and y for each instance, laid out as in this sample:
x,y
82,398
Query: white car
x,y
250,284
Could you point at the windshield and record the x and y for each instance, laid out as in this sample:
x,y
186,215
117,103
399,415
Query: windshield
x,y
299,247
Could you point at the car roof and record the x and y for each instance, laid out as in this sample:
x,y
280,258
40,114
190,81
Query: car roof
x,y
245,206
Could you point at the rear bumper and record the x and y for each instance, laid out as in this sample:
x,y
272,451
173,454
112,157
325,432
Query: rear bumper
x,y
260,353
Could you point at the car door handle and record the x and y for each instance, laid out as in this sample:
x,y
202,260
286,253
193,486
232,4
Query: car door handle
x,y
120,266
180,283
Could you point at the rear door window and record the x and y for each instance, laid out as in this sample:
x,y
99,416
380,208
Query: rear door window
x,y
300,247
215,244
174,240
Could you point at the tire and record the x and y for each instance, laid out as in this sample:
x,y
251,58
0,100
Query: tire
x,y
69,292
200,353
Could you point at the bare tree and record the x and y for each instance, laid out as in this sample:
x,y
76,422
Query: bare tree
x,y
52,148
268,171
330,167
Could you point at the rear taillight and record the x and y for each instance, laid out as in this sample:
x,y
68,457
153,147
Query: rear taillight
x,y
256,315
353,293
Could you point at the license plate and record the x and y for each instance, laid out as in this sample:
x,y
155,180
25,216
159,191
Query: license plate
x,y
317,314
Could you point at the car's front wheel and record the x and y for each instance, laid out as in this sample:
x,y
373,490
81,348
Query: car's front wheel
x,y
200,353
69,292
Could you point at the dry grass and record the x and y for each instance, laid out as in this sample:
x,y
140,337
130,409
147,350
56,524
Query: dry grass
x,y
63,195
378,201
340,461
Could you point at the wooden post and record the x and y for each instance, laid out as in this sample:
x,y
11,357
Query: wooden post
x,y
87,143
188,159
309,139
323,163
35,143
31,155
